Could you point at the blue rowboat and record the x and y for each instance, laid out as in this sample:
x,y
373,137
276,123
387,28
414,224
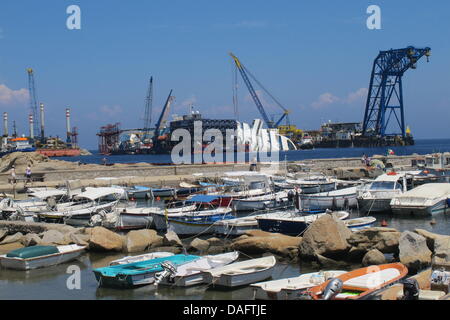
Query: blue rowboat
x,y
137,273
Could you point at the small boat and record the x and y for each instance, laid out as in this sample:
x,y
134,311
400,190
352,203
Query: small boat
x,y
312,184
360,223
236,226
139,192
200,222
425,200
190,274
163,192
131,217
80,210
290,288
268,201
292,224
358,284
141,257
35,257
241,273
137,273
335,200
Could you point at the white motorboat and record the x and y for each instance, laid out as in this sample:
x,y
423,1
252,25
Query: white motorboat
x,y
377,196
40,256
241,273
291,288
425,200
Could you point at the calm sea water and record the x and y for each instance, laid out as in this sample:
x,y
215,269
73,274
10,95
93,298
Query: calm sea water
x,y
421,147
50,283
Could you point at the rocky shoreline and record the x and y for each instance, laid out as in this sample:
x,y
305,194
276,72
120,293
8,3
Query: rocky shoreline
x,y
326,244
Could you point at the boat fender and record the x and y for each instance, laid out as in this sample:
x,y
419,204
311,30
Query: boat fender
x,y
333,288
410,289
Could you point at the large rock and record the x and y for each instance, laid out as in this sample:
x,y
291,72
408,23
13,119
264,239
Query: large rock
x,y
17,237
414,252
260,242
80,239
328,237
199,245
382,239
171,239
102,239
140,240
442,251
431,237
31,239
53,237
373,257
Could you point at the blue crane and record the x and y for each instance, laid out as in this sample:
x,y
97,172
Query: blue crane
x,y
385,96
244,71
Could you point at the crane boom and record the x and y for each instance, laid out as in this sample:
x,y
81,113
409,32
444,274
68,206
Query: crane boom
x,y
252,91
163,115
148,108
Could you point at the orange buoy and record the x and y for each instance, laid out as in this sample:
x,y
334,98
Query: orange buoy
x,y
158,198
384,223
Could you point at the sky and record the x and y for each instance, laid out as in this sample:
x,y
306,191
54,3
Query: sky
x,y
315,57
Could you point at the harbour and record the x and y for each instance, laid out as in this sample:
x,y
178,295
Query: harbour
x,y
224,159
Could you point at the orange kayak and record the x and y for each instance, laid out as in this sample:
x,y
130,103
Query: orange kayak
x,y
358,283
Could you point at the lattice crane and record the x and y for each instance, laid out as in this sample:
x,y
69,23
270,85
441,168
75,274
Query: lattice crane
x,y
385,96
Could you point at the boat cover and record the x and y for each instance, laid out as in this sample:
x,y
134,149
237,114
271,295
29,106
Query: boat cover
x,y
32,252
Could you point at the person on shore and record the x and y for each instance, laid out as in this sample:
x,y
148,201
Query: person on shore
x,y
104,160
28,174
13,175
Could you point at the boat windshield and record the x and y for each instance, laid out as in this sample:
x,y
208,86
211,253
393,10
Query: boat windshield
x,y
385,185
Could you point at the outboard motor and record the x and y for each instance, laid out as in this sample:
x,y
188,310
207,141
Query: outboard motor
x,y
333,288
169,269
410,289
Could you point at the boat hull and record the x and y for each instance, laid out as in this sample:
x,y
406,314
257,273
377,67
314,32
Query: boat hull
x,y
130,221
238,280
374,205
439,207
292,228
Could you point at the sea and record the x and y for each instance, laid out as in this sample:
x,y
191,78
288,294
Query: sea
x,y
57,282
421,147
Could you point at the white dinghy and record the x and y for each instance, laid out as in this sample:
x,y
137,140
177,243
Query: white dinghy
x,y
241,273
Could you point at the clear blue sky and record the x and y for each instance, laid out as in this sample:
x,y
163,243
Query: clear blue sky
x,y
314,56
